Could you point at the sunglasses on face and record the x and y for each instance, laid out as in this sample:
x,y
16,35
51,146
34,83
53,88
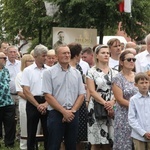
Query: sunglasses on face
x,y
5,58
129,59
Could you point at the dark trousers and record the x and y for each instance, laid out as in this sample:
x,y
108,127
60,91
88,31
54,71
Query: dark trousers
x,y
57,130
1,130
7,117
33,116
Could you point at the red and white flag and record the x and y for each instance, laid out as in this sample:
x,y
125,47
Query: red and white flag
x,y
125,6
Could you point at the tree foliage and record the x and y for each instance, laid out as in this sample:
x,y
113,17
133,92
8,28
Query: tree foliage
x,y
104,15
30,16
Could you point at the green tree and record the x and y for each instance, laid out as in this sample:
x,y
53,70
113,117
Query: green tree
x,y
28,16
103,15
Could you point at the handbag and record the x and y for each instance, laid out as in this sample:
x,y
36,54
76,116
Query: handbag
x,y
100,111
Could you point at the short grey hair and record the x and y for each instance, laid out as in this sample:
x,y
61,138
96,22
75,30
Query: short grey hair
x,y
12,46
40,49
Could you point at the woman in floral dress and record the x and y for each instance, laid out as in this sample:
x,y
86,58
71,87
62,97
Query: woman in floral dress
x,y
100,132
123,88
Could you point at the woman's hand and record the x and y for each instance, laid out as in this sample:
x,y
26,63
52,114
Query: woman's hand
x,y
108,105
111,113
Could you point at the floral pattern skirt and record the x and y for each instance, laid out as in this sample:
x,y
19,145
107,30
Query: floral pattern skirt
x,y
99,131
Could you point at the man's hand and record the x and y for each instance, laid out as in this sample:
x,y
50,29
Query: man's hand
x,y
68,116
147,135
42,108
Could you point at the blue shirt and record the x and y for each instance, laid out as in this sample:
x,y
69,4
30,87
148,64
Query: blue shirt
x,y
65,86
5,97
139,116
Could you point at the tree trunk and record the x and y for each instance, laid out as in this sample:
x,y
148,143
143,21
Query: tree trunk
x,y
40,35
101,34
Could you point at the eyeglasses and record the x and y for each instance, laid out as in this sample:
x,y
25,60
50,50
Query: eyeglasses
x,y
129,59
5,58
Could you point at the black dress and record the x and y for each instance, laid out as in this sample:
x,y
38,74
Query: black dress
x,y
82,129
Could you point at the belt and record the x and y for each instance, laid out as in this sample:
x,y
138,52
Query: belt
x,y
40,96
13,93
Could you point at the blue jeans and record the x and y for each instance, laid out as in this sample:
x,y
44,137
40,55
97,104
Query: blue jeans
x,y
57,130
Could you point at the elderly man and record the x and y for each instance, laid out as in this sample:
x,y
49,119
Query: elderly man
x,y
7,108
142,63
64,91
14,67
32,88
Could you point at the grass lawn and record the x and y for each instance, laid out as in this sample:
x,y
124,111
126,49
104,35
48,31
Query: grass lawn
x,y
2,146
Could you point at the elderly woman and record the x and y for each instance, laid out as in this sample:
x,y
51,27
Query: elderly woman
x,y
51,58
123,89
100,131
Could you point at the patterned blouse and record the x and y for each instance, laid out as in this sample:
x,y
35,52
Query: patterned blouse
x,y
5,97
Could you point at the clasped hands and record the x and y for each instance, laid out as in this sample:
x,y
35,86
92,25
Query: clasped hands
x,y
109,107
42,108
68,115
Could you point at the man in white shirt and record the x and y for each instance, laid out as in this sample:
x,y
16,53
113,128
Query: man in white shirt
x,y
36,107
14,67
88,56
115,51
84,65
142,63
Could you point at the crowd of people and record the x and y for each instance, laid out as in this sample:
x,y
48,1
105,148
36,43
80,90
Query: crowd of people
x,y
53,93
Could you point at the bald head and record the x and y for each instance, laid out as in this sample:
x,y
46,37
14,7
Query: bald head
x,y
130,45
132,50
2,54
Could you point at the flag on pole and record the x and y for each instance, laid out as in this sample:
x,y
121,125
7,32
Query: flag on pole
x,y
125,6
121,6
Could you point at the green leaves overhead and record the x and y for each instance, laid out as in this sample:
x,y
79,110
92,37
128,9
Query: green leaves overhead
x,y
30,16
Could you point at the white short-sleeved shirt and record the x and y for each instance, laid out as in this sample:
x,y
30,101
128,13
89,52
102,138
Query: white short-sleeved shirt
x,y
18,82
113,63
84,65
32,77
142,63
